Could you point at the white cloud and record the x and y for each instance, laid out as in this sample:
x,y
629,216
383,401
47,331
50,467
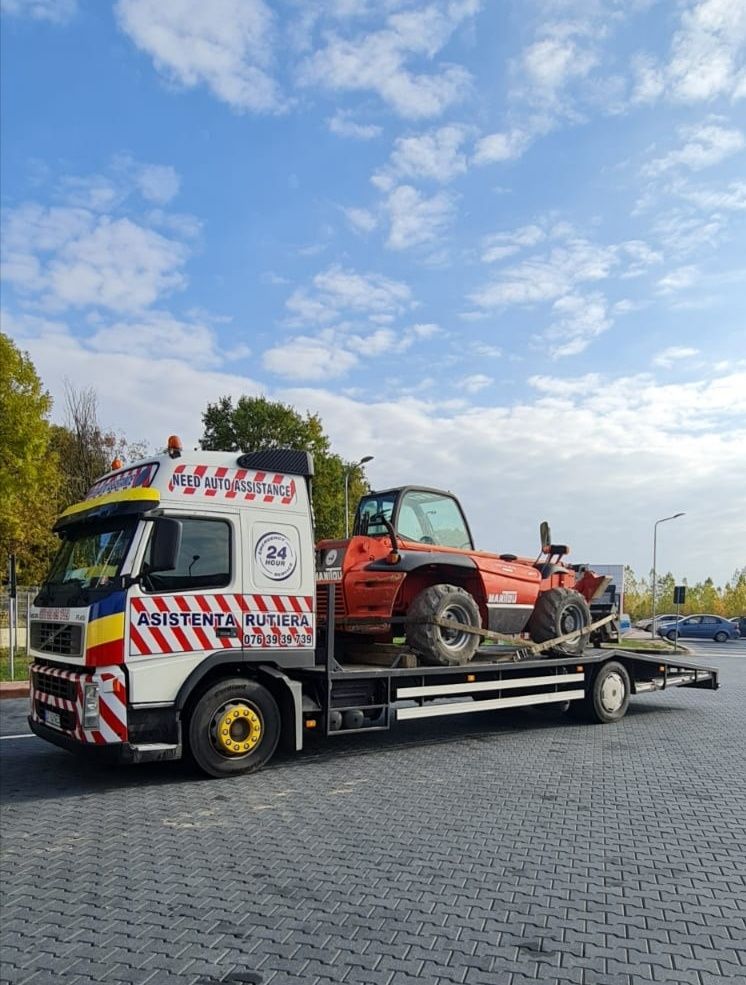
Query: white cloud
x,y
337,292
678,280
549,277
554,61
416,219
498,246
707,52
308,358
649,82
731,197
683,234
379,61
579,320
474,382
158,183
226,45
156,393
704,145
159,335
57,11
334,352
502,146
344,126
362,220
435,155
667,357
67,257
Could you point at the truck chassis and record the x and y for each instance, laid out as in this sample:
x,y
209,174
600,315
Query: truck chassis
x,y
335,697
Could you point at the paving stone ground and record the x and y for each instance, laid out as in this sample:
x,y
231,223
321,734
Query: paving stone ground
x,y
520,850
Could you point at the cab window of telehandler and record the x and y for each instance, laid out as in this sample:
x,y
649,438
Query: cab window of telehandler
x,y
375,505
433,518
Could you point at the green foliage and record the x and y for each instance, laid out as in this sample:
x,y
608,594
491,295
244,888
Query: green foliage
x,y
29,476
255,424
705,596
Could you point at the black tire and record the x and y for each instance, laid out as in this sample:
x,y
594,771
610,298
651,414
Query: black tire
x,y
721,637
206,724
560,611
436,646
672,635
608,697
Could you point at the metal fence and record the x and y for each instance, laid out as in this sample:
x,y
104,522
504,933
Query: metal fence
x,y
14,621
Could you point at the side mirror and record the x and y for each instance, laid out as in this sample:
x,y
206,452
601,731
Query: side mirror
x,y
545,535
165,545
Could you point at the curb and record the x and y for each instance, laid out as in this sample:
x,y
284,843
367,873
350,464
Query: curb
x,y
14,689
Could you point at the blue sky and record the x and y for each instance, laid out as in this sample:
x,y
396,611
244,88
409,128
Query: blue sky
x,y
499,246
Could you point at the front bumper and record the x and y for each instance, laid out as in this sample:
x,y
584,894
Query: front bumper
x,y
120,752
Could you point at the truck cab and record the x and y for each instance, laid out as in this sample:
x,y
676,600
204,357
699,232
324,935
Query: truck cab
x,y
169,571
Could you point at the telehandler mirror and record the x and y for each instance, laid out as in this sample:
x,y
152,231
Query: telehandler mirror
x,y
546,536
165,545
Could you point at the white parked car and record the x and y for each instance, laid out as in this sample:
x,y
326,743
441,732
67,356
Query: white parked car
x,y
661,620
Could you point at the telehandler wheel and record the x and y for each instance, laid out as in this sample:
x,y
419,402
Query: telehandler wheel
x,y
557,612
233,728
437,645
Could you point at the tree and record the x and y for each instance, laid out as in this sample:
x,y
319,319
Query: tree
x,y
255,424
29,475
85,449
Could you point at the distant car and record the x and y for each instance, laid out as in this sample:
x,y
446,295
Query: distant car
x,y
700,627
740,623
663,620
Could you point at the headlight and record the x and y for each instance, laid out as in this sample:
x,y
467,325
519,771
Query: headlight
x,y
90,706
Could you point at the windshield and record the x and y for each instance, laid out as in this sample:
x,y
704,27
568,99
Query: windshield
x,y
88,561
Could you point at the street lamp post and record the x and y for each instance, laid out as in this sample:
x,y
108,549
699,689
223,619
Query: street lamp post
x,y
655,548
348,473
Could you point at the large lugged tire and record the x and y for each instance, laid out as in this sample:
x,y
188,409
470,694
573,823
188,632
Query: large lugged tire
x,y
233,728
557,612
435,645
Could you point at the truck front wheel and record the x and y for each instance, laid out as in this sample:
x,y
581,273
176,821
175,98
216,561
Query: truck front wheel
x,y
234,728
439,645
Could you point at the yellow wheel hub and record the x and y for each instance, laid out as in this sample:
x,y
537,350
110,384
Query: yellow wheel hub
x,y
239,729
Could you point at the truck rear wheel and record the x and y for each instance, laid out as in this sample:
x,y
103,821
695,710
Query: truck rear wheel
x,y
233,728
440,646
608,698
558,612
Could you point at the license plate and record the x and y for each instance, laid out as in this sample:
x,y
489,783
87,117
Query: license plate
x,y
53,718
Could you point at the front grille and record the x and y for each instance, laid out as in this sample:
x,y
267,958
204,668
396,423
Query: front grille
x,y
67,718
322,602
64,639
52,684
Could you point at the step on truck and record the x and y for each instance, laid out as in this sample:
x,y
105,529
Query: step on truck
x,y
188,611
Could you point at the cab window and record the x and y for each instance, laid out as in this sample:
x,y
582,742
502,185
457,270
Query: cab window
x,y
432,518
204,559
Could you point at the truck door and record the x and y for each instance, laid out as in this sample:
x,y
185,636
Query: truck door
x,y
279,584
177,618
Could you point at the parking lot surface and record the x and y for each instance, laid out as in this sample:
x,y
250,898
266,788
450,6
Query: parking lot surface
x,y
500,850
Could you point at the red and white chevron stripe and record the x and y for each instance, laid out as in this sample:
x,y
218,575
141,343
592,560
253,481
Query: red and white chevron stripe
x,y
112,701
185,623
220,482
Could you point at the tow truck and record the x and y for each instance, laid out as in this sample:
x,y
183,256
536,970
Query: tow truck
x,y
188,612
